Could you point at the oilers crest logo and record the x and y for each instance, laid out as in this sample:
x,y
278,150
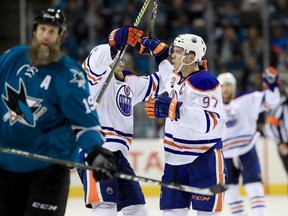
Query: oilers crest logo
x,y
21,107
124,100
232,117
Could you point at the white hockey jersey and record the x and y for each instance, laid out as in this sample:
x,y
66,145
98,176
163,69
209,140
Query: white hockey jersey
x,y
115,110
242,115
202,117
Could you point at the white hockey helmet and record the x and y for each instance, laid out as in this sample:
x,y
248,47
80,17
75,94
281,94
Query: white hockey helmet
x,y
191,42
227,77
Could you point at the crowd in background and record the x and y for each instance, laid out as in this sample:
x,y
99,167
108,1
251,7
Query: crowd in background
x,y
234,32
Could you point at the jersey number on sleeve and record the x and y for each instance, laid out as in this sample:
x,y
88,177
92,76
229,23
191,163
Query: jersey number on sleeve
x,y
209,102
89,104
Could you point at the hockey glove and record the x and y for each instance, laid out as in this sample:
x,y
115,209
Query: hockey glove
x,y
160,50
104,161
119,37
271,77
163,107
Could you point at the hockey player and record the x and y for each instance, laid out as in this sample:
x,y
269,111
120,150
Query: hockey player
x,y
44,96
195,124
239,141
116,117
276,126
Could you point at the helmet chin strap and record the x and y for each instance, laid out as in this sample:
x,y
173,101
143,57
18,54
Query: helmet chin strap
x,y
182,63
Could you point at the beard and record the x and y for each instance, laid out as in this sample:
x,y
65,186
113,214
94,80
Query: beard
x,y
45,54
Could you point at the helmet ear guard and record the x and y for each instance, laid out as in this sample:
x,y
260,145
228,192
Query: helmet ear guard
x,y
51,16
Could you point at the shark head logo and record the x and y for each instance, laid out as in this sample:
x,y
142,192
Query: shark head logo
x,y
79,78
21,107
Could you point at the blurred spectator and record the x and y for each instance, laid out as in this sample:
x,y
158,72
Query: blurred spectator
x,y
279,12
253,45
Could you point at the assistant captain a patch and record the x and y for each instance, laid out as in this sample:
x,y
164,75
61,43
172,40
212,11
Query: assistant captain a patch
x,y
21,107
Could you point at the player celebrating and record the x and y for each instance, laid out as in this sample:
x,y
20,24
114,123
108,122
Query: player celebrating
x,y
44,96
240,139
116,117
195,124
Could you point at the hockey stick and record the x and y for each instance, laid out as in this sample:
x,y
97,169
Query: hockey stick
x,y
153,19
109,77
151,26
215,189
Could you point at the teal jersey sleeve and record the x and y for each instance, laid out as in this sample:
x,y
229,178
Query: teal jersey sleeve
x,y
79,107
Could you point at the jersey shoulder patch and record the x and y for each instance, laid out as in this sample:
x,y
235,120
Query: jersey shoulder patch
x,y
203,81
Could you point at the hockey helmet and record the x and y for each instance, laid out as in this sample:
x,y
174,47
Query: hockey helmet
x,y
191,42
53,17
227,78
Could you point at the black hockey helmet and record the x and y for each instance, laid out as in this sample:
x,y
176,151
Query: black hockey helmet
x,y
53,17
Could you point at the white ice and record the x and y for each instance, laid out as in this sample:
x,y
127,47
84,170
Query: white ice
x,y
276,206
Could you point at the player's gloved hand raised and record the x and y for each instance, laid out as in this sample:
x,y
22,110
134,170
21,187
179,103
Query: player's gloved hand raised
x,y
163,107
104,162
160,50
271,77
119,37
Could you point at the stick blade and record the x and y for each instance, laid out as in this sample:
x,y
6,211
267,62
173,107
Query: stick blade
x,y
219,188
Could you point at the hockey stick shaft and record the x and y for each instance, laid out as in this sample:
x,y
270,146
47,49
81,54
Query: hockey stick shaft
x,y
153,19
215,189
111,73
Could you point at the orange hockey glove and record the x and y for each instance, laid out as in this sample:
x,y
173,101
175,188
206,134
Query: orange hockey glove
x,y
163,107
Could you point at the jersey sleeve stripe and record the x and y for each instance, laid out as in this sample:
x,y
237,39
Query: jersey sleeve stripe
x,y
91,71
207,121
215,122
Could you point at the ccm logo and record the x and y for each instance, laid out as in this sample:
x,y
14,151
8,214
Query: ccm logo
x,y
200,198
44,206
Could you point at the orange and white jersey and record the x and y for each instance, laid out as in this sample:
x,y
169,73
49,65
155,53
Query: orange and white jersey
x,y
115,110
242,115
202,117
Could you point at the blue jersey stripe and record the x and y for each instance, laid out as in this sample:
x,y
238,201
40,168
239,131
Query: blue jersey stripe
x,y
182,152
192,141
117,141
117,131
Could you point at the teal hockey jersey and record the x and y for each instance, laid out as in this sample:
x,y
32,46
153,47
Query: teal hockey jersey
x,y
40,106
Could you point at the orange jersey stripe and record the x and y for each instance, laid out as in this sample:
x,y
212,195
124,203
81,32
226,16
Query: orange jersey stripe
x,y
115,134
184,147
219,204
93,196
214,119
236,142
237,207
